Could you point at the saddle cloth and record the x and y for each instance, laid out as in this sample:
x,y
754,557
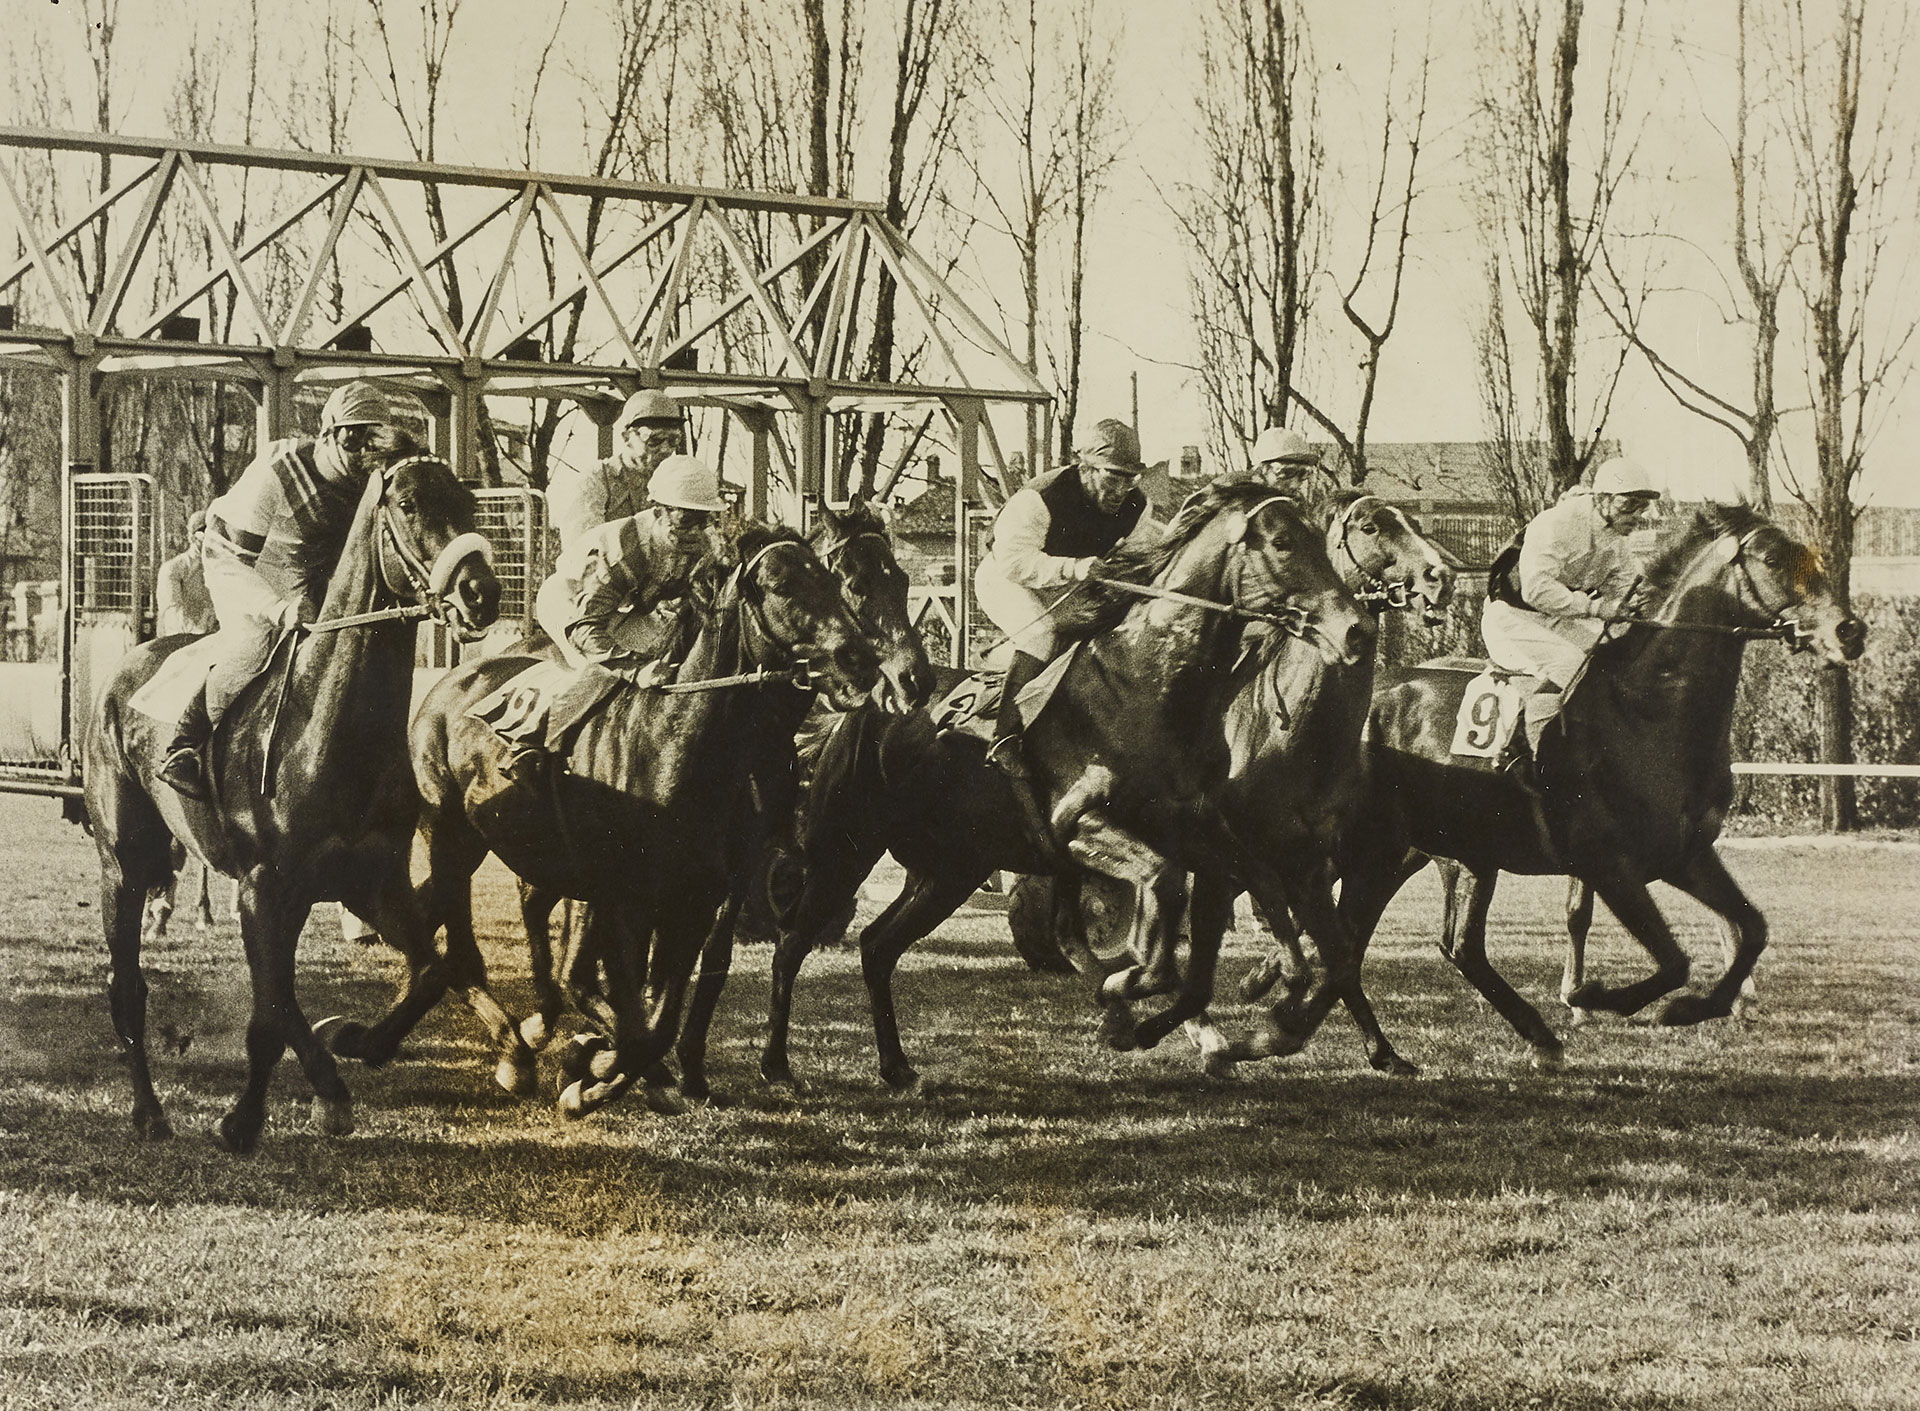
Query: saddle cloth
x,y
543,703
1490,711
973,707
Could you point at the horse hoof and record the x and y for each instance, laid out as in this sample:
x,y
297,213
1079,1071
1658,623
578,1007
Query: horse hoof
x,y
1689,1009
1394,1066
533,1031
515,1075
1549,1058
238,1136
332,1118
667,1101
576,1061
604,1063
573,1101
1220,1064
345,1038
900,1078
151,1125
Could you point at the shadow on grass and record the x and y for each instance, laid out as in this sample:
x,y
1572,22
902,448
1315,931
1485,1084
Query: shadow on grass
x,y
1028,1113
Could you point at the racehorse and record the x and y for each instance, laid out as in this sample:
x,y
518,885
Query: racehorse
x,y
1129,747
857,549
648,822
1635,778
313,799
1294,781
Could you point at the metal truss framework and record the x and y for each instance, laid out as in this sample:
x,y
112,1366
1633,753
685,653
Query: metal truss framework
x,y
464,283
319,267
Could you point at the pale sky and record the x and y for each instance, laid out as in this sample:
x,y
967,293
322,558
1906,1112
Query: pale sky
x,y
1137,304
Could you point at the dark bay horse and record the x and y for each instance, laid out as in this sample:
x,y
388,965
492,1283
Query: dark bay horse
x,y
1295,778
650,820
1130,749
1295,784
314,797
855,546
1635,780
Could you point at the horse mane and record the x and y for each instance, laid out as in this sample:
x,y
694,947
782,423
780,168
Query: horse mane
x,y
1095,609
859,517
1679,546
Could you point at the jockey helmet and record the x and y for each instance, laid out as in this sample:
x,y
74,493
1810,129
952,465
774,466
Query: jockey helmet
x,y
196,522
1283,443
648,408
686,483
1623,476
354,404
1112,447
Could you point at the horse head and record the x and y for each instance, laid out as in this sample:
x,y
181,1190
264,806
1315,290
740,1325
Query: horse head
x,y
1761,576
856,548
1257,547
429,551
797,616
1381,553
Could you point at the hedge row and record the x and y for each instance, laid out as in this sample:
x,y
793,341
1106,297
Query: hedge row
x,y
1774,714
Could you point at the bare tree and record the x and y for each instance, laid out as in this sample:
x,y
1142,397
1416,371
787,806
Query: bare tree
x,y
1769,224
1052,137
1546,220
1252,218
1854,162
1388,237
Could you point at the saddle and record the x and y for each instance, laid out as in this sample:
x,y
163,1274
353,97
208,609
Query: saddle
x,y
1492,702
545,704
973,707
171,690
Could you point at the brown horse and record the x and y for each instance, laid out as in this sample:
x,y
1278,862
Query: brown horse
x,y
649,822
1635,779
1130,748
314,798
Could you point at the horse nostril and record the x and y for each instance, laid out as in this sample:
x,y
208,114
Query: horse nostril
x,y
1852,635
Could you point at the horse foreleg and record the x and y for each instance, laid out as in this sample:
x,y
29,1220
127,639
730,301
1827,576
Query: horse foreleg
x,y
618,937
1706,879
1466,947
385,896
536,916
1209,910
120,910
1285,961
580,967
1627,898
270,923
925,901
1573,973
716,963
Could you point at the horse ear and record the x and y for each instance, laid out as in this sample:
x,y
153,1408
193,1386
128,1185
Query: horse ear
x,y
1235,526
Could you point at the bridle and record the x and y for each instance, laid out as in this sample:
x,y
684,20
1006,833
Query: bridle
x,y
1378,594
426,584
829,556
768,646
1780,627
1292,620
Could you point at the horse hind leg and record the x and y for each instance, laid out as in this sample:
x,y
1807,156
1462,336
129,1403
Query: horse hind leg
x,y
387,898
1466,947
925,901
1573,972
1627,898
716,963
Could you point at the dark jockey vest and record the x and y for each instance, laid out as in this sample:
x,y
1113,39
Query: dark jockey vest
x,y
1075,528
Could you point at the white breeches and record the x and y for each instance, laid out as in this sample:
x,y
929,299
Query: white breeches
x,y
1553,647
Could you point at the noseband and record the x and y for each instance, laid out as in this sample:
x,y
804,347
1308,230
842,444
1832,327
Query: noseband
x,y
428,583
1378,594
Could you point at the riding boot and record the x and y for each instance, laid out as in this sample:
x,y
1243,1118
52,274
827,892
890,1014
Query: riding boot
x,y
184,769
526,762
1540,711
1007,752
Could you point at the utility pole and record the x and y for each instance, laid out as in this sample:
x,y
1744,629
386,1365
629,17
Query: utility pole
x,y
1135,377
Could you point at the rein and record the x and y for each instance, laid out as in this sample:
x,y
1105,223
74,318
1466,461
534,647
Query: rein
x,y
1780,629
798,675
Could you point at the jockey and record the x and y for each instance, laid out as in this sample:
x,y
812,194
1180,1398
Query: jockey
x,y
1548,603
600,605
1048,537
650,429
1283,458
271,544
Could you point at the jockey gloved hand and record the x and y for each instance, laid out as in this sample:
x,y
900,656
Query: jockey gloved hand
x,y
647,675
293,613
1083,569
